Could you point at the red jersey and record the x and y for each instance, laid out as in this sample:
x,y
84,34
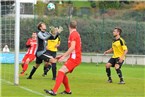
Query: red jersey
x,y
76,54
32,44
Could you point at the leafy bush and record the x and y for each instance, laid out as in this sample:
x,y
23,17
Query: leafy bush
x,y
109,4
93,4
134,15
96,35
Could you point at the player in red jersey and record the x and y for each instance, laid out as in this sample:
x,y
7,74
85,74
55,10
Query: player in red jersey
x,y
30,54
74,51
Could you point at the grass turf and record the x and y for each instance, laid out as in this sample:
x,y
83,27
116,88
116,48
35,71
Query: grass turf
x,y
87,80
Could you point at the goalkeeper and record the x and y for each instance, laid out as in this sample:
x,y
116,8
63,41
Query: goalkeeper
x,y
41,53
52,45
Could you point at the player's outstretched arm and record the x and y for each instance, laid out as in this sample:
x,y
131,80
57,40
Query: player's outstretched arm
x,y
108,51
60,29
56,31
44,37
69,51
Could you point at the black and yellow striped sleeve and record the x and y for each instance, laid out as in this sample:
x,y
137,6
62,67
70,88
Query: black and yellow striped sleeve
x,y
123,44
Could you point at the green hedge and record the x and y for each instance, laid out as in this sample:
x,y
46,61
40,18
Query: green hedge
x,y
96,35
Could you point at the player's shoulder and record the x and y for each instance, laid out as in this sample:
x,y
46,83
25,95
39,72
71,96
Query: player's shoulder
x,y
40,33
74,33
59,38
29,39
121,39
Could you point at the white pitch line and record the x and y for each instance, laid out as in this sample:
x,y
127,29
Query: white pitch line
x,y
27,89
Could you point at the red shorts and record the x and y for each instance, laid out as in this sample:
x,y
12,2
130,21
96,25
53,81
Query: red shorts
x,y
70,64
30,56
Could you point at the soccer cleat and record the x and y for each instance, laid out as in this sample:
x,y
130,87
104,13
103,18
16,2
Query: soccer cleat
x,y
53,78
64,92
29,77
44,75
21,74
50,92
121,82
109,81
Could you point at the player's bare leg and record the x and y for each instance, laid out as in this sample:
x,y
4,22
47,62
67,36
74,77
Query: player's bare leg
x,y
53,60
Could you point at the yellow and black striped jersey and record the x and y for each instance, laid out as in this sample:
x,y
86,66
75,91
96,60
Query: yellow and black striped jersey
x,y
118,47
51,44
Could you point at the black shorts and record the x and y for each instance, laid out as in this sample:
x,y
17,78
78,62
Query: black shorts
x,y
114,61
45,56
51,53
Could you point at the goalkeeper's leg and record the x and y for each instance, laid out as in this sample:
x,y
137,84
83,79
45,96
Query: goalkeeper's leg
x,y
38,62
33,71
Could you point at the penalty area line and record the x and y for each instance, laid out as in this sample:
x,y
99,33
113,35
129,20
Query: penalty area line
x,y
24,88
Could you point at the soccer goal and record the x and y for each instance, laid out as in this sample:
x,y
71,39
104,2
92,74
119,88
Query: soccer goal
x,y
14,14
10,12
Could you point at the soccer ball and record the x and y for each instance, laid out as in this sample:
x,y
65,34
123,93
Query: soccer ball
x,y
51,6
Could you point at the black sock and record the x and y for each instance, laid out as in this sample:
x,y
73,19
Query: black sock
x,y
32,71
54,70
108,71
46,69
119,74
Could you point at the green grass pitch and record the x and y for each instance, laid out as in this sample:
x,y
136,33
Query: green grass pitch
x,y
87,80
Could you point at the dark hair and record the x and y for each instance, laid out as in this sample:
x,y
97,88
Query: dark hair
x,y
73,24
119,30
39,25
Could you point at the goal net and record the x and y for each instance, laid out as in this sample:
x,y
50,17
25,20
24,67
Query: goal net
x,y
11,11
7,29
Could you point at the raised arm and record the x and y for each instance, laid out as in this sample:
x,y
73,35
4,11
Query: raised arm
x,y
53,36
69,51
56,32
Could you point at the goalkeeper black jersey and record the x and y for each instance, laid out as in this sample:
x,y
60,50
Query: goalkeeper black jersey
x,y
42,38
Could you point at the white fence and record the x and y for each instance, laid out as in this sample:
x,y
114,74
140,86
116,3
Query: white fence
x,y
98,58
94,58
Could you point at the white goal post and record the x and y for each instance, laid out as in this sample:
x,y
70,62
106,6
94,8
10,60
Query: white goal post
x,y
17,37
17,42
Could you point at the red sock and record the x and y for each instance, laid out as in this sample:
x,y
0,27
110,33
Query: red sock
x,y
66,84
25,67
59,80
